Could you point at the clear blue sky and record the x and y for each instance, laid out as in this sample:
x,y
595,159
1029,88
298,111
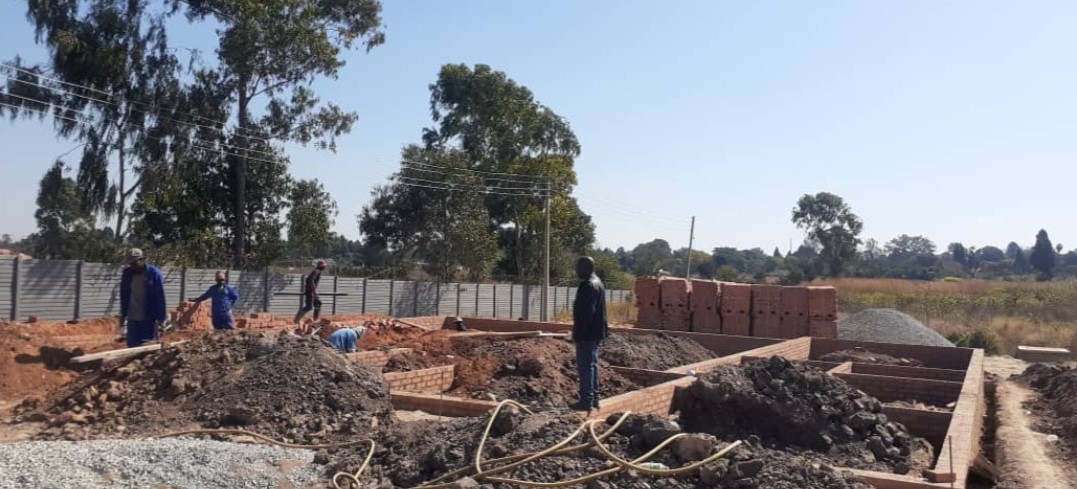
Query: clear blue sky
x,y
954,120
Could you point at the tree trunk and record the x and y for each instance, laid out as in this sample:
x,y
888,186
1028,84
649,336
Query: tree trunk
x,y
120,193
240,175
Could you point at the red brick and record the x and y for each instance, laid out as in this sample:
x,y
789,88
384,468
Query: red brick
x,y
823,328
736,301
766,311
823,303
794,312
676,315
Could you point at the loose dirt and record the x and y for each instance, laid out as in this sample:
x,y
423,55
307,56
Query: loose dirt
x,y
286,387
860,355
791,404
652,352
34,357
1055,408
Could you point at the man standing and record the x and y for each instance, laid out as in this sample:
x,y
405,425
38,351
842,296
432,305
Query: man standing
x,y
589,328
142,300
345,339
310,293
224,297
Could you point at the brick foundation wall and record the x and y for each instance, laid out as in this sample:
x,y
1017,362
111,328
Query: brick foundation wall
x,y
887,389
428,380
913,372
657,399
375,358
932,356
440,405
966,425
645,377
930,425
795,349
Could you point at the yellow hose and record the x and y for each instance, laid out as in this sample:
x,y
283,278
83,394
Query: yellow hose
x,y
660,472
355,477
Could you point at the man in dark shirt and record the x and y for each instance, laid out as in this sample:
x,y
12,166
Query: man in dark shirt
x,y
589,328
310,293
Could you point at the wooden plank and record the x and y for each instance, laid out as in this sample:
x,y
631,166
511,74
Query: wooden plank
x,y
122,353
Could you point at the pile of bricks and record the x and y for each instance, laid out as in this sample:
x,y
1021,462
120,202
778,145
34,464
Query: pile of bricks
x,y
706,306
197,316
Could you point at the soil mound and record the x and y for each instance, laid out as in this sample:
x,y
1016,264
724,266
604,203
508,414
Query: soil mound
x,y
286,387
652,352
861,355
790,404
888,326
1057,408
539,372
420,452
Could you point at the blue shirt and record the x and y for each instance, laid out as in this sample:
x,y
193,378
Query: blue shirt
x,y
155,307
344,339
224,298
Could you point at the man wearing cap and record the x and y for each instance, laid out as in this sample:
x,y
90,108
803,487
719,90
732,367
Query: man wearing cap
x,y
310,293
142,300
345,339
589,328
223,297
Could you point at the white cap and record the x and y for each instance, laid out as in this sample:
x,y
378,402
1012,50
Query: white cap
x,y
134,254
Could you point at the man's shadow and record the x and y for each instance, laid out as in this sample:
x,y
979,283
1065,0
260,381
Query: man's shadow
x,y
53,358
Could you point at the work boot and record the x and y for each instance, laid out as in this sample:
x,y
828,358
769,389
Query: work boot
x,y
594,404
580,406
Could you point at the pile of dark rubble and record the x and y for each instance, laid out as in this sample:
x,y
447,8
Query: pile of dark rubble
x,y
290,388
789,404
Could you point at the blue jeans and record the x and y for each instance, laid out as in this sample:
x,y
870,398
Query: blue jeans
x,y
587,363
223,322
139,332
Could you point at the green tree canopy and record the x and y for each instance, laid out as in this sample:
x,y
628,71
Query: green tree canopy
x,y
1042,257
829,221
310,218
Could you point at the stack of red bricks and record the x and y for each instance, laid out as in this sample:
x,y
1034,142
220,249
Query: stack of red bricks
x,y
706,306
197,316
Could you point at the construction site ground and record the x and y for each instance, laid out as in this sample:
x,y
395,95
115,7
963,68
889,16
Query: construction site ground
x,y
808,412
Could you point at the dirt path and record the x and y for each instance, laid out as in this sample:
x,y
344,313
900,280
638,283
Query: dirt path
x,y
1023,454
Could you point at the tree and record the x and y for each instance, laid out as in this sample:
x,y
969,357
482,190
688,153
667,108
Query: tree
x,y
1020,263
905,246
274,50
649,258
1042,257
449,230
959,253
111,72
501,128
991,254
310,218
777,253
829,221
1012,250
65,229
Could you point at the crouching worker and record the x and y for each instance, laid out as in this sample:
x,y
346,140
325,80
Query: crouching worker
x,y
345,339
224,298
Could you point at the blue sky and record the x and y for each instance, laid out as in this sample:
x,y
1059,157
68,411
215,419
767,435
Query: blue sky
x,y
954,120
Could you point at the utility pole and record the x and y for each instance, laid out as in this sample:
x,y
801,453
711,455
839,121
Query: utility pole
x,y
546,272
688,260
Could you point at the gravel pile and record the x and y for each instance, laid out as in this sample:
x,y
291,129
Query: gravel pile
x,y
888,326
154,463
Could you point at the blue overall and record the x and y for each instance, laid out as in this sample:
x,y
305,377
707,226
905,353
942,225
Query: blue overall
x,y
141,330
224,297
344,339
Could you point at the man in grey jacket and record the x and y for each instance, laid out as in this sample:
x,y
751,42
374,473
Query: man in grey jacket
x,y
589,328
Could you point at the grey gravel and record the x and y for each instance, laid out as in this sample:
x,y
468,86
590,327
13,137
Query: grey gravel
x,y
888,326
166,463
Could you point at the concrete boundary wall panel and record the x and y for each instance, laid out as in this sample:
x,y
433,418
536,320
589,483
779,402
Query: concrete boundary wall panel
x,y
736,301
767,311
676,315
823,303
794,312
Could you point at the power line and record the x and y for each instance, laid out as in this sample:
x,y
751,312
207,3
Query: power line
x,y
541,178
462,188
102,92
191,143
219,130
499,187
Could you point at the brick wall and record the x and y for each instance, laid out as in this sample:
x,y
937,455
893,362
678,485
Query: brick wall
x,y
736,305
914,372
930,425
704,304
428,380
676,312
648,303
440,405
767,311
794,312
966,425
886,389
932,356
795,349
645,377
657,399
376,358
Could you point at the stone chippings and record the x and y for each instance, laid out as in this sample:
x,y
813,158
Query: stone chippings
x,y
888,326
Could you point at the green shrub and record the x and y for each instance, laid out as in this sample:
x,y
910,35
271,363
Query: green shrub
x,y
976,339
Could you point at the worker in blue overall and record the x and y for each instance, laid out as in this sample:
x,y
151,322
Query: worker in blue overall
x,y
224,298
142,300
345,339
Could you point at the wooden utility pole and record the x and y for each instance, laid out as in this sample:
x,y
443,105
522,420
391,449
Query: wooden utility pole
x,y
546,272
688,260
